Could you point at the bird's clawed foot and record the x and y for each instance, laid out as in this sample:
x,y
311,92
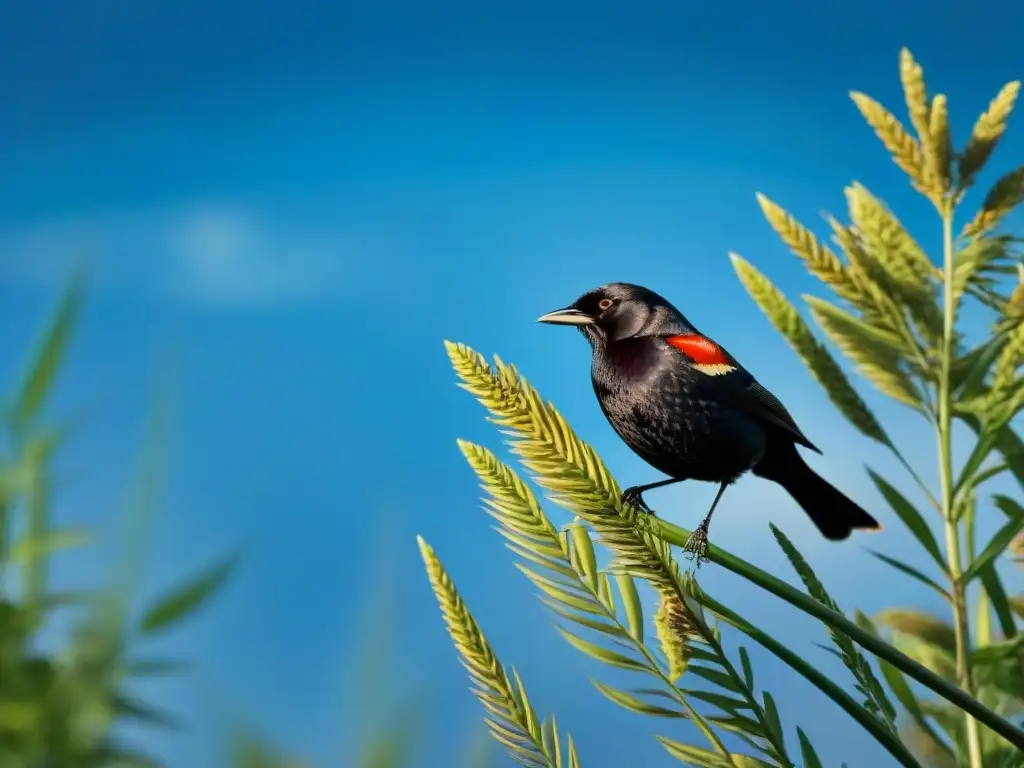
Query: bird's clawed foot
x,y
697,544
634,497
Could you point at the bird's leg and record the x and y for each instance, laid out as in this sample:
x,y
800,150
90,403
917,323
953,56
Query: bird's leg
x,y
634,495
698,541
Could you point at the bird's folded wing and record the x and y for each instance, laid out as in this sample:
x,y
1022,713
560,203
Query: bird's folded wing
x,y
758,401
732,385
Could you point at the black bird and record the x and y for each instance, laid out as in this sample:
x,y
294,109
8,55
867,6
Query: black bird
x,y
686,406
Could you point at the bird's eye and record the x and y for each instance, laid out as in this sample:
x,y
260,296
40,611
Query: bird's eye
x,y
604,304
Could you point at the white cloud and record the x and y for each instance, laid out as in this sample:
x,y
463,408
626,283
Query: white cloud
x,y
212,254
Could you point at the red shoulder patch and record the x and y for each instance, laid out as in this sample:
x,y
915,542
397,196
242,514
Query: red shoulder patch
x,y
701,350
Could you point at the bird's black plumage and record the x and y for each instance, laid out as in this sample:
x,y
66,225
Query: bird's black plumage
x,y
690,410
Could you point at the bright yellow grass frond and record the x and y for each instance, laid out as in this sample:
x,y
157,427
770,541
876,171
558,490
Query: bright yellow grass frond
x,y
905,150
888,242
876,354
941,146
820,260
820,363
1005,195
511,718
988,129
1009,359
566,466
915,92
674,626
934,142
898,263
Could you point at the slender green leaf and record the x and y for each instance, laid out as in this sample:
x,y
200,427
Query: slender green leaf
x,y
1008,506
910,571
1008,443
567,593
772,719
728,704
635,703
713,676
595,651
983,620
811,759
703,758
991,471
695,756
605,593
993,586
910,516
979,453
50,352
583,549
631,605
995,548
548,563
737,724
31,548
967,373
187,598
598,625
901,689
748,670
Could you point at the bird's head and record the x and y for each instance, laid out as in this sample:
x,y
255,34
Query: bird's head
x,y
620,311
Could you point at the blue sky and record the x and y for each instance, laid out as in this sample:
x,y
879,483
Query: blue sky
x,y
295,203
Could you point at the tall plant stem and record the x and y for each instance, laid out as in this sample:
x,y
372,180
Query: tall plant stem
x,y
676,536
945,439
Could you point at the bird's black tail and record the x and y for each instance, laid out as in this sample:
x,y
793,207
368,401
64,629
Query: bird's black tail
x,y
834,514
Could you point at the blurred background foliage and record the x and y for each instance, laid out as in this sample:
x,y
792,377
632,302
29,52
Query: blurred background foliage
x,y
63,707
67,707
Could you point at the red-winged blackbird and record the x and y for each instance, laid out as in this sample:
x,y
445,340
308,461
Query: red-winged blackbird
x,y
690,410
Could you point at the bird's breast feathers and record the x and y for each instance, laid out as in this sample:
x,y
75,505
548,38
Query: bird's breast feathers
x,y
630,361
702,353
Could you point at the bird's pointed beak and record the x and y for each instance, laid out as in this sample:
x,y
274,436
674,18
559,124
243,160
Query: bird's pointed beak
x,y
566,317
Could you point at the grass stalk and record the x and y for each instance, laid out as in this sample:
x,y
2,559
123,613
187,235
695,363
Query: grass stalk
x,y
954,567
819,680
673,534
